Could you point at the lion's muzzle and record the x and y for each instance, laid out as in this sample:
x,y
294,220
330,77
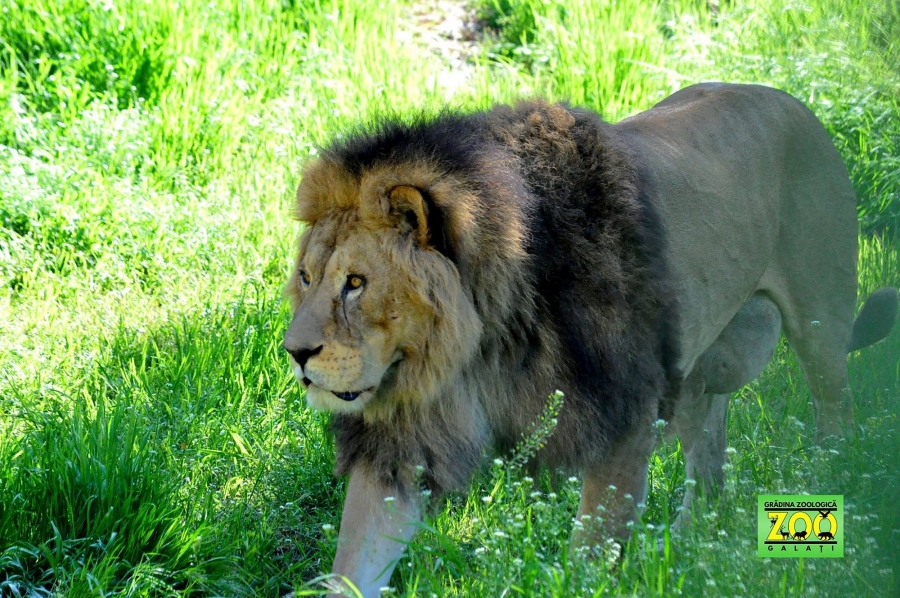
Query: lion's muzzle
x,y
333,374
301,356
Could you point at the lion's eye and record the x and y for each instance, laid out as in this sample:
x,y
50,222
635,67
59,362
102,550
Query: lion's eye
x,y
354,282
304,278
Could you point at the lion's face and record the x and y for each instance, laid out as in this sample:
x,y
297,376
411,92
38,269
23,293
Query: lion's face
x,y
373,308
356,318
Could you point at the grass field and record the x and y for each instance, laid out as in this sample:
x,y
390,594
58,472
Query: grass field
x,y
152,439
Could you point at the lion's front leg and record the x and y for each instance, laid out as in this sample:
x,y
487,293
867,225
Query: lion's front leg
x,y
376,526
613,493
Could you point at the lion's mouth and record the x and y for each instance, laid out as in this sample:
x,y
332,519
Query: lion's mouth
x,y
349,396
344,396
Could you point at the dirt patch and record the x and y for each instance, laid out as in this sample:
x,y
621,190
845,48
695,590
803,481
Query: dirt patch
x,y
451,31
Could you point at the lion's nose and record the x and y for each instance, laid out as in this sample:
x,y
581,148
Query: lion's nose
x,y
301,356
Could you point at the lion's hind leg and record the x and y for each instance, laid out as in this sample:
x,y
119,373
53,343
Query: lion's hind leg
x,y
823,337
819,327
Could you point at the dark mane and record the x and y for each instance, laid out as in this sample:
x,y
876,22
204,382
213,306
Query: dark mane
x,y
448,138
587,309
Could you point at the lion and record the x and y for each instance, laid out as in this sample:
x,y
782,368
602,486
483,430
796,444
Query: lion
x,y
456,269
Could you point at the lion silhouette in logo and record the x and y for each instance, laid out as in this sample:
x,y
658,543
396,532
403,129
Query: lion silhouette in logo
x,y
455,270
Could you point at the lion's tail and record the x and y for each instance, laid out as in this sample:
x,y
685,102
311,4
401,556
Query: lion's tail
x,y
876,318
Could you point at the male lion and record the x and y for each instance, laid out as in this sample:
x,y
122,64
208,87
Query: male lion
x,y
455,270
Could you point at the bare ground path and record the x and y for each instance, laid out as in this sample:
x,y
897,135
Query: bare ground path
x,y
452,32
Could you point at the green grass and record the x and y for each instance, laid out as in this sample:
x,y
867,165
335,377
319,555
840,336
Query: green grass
x,y
152,439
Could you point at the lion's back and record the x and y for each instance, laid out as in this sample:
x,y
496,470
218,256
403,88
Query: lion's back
x,y
743,167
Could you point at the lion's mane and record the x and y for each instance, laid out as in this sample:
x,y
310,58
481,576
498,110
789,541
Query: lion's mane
x,y
542,214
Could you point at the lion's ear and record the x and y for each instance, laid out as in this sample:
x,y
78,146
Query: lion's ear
x,y
415,213
409,212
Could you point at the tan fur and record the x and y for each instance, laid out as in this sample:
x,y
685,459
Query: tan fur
x,y
375,528
737,189
403,316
